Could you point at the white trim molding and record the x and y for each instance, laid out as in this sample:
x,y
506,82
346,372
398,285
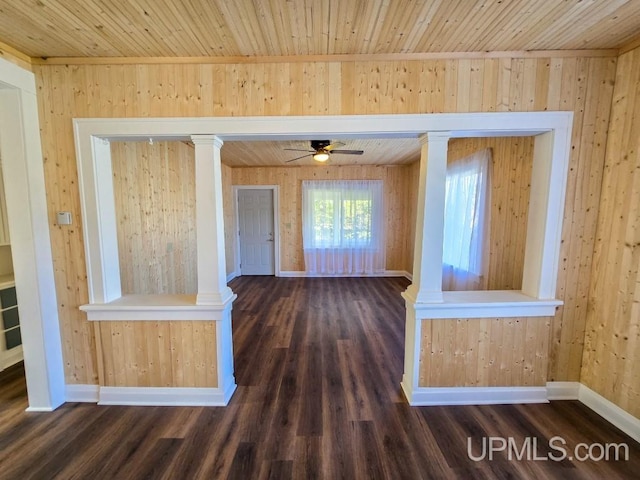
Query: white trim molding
x,y
386,273
563,390
610,412
484,304
166,396
428,396
596,402
157,307
39,409
25,195
232,275
82,393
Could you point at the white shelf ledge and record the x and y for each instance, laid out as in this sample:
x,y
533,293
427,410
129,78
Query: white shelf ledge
x,y
7,281
155,307
485,304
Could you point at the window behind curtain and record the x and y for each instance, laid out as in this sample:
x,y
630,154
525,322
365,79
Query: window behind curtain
x,y
466,222
342,226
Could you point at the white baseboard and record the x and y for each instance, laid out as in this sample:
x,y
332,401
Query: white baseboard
x,y
292,273
39,409
426,396
81,393
166,396
232,275
610,412
563,390
386,273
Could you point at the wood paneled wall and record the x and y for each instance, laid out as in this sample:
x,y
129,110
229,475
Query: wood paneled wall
x,y
229,208
290,179
413,185
155,198
582,85
612,342
510,184
157,354
484,352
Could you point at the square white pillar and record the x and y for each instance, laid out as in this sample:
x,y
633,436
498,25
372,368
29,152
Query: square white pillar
x,y
426,286
212,270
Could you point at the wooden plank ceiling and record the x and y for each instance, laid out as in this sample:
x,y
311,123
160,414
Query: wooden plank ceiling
x,y
214,28
232,30
389,151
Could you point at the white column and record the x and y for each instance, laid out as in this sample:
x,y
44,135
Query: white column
x,y
427,256
212,270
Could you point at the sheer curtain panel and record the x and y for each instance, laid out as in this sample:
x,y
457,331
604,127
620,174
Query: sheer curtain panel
x,y
466,222
342,227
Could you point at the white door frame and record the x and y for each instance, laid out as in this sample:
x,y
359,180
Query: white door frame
x,y
276,225
30,241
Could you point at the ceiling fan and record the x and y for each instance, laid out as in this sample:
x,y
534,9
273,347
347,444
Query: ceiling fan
x,y
321,150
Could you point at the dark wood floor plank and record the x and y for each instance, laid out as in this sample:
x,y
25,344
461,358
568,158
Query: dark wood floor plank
x,y
367,452
193,456
155,464
276,470
307,462
310,414
318,365
429,458
244,461
352,366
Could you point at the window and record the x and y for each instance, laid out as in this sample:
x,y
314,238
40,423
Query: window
x,y
466,217
341,221
338,221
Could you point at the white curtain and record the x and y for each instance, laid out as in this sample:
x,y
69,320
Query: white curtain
x,y
466,222
342,227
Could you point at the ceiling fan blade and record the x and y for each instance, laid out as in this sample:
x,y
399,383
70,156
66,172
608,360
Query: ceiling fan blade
x,y
298,158
348,152
299,150
331,147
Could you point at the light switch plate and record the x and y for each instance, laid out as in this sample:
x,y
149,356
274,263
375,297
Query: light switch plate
x,y
64,218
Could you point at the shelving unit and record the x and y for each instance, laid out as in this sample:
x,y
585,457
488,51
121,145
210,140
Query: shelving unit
x,y
10,336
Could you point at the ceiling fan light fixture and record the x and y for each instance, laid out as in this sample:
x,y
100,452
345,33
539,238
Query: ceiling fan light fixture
x,y
321,156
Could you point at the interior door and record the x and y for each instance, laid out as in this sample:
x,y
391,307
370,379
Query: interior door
x,y
255,215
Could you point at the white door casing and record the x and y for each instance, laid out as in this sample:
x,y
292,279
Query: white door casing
x,y
29,226
256,231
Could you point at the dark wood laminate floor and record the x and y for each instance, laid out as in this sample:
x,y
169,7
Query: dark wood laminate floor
x,y
318,367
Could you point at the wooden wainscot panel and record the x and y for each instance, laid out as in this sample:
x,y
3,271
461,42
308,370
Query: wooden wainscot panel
x,y
157,353
484,352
